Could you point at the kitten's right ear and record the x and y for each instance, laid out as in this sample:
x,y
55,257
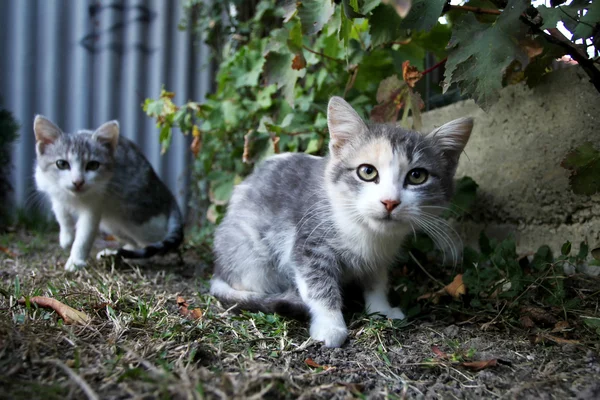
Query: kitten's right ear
x,y
45,131
343,122
108,134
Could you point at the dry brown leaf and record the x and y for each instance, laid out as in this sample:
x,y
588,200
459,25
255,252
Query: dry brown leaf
x,y
532,47
68,314
8,252
457,287
183,305
196,145
299,62
561,326
311,363
410,74
545,336
479,365
526,322
439,353
540,315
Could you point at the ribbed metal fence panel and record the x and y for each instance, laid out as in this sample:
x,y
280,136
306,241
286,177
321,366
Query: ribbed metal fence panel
x,y
84,62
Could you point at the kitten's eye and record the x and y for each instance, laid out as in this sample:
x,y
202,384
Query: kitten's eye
x,y
417,176
92,166
62,164
367,172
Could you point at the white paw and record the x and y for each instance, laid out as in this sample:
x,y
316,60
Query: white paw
x,y
106,253
73,265
65,239
395,313
332,332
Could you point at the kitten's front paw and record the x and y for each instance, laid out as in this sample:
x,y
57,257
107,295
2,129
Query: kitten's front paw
x,y
328,331
395,313
73,265
106,253
65,239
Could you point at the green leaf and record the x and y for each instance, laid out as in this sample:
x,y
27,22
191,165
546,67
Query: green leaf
x,y
222,190
314,14
295,39
278,70
551,16
351,9
369,5
314,145
263,98
565,249
423,15
542,258
384,25
596,253
479,54
153,107
583,251
584,164
463,201
588,22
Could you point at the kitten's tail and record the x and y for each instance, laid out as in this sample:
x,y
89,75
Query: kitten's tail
x,y
288,303
171,242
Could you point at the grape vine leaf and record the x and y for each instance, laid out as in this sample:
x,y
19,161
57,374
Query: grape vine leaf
x,y
423,15
584,164
278,70
314,14
550,16
384,25
479,54
588,22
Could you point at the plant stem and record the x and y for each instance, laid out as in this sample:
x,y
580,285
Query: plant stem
x,y
320,54
436,66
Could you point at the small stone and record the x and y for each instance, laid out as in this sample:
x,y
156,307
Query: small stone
x,y
451,331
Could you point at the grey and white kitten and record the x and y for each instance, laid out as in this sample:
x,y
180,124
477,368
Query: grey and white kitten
x,y
100,179
299,227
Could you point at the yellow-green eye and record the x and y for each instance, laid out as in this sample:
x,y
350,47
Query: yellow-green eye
x,y
417,176
62,164
92,166
367,173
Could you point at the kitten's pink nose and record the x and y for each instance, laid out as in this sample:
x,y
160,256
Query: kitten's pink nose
x,y
390,204
78,183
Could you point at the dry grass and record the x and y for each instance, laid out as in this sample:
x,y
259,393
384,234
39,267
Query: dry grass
x,y
139,346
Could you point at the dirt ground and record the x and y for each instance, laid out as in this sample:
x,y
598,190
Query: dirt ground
x,y
138,345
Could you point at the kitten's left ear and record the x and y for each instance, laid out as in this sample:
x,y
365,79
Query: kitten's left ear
x,y
453,136
108,134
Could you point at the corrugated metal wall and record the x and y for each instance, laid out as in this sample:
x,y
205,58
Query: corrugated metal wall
x,y
84,62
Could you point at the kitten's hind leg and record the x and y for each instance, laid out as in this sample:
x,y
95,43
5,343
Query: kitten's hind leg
x,y
376,297
66,223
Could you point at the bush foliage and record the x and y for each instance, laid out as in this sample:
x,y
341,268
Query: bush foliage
x,y
278,64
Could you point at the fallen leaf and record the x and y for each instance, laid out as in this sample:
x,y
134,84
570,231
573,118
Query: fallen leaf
x,y
526,322
68,314
479,365
311,363
8,252
439,353
540,315
457,287
560,326
183,305
544,336
410,74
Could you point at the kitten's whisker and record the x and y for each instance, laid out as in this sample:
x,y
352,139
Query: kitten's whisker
x,y
442,234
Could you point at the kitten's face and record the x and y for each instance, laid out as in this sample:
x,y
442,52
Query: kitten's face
x,y
386,178
79,164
